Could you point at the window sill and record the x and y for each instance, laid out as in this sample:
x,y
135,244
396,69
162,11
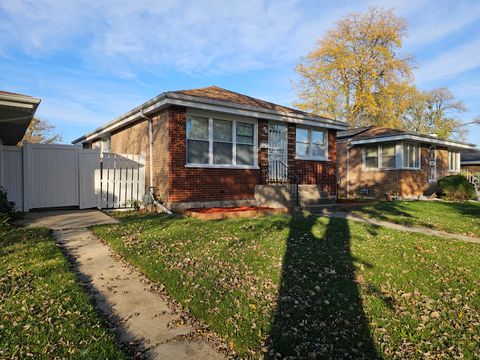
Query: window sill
x,y
390,169
308,158
218,166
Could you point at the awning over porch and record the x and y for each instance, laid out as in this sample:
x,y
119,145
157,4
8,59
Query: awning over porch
x,y
16,112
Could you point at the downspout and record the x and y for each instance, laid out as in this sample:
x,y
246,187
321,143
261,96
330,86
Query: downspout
x,y
150,151
347,149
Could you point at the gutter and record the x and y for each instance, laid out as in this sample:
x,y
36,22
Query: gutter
x,y
418,138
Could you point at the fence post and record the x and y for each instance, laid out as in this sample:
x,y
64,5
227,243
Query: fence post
x,y
26,178
98,181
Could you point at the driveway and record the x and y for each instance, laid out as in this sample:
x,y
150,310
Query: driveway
x,y
139,312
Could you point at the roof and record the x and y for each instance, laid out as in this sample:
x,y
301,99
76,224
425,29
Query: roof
x,y
218,93
372,134
16,113
214,98
471,156
346,134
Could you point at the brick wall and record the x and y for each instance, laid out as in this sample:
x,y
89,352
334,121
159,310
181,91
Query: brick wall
x,y
202,184
406,183
134,140
312,172
176,183
475,168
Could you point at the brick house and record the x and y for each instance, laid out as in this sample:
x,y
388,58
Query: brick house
x,y
374,161
215,147
470,160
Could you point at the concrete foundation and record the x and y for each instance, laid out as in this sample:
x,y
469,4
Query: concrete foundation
x,y
180,207
277,196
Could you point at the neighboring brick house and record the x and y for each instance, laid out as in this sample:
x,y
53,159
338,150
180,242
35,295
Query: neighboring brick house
x,y
374,161
212,146
470,160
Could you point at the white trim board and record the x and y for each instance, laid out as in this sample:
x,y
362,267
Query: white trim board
x,y
162,101
417,138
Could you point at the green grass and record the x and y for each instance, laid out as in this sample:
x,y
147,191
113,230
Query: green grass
x,y
45,314
454,217
303,285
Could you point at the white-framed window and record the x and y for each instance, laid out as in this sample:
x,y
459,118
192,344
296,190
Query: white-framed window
x,y
371,156
384,156
245,143
453,161
216,142
311,143
387,156
411,156
106,144
380,156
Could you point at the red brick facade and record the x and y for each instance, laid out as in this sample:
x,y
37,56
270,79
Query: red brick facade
x,y
202,184
176,183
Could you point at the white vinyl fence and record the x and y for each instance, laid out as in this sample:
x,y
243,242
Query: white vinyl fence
x,y
121,180
48,176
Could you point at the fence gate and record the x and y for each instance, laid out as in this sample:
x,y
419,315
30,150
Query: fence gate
x,y
121,180
48,176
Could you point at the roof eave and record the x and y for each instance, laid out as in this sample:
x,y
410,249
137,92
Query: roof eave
x,y
170,98
418,138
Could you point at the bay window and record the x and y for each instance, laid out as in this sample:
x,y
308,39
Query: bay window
x,y
453,161
311,143
220,143
411,156
384,156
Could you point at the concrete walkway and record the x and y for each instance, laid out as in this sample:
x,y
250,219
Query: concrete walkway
x,y
140,315
390,225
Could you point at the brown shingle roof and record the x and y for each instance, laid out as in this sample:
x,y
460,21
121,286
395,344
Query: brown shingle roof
x,y
220,94
375,132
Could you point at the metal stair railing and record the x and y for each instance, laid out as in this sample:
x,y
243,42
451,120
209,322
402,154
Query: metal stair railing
x,y
279,174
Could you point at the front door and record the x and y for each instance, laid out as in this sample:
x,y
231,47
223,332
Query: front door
x,y
277,151
432,164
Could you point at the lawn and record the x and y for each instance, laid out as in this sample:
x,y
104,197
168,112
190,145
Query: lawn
x,y
45,313
455,217
310,287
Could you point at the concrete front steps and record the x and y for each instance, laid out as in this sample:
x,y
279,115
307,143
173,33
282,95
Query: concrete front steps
x,y
278,196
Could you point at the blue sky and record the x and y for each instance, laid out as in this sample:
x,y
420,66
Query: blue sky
x,y
91,61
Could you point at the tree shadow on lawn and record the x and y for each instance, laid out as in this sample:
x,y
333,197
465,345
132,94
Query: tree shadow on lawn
x,y
391,211
319,311
469,209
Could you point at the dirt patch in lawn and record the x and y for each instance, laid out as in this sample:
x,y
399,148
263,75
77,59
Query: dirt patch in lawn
x,y
217,213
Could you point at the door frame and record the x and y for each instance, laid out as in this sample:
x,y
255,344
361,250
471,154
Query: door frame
x,y
277,153
432,163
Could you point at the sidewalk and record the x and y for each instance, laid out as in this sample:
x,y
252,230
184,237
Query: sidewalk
x,y
139,314
425,231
